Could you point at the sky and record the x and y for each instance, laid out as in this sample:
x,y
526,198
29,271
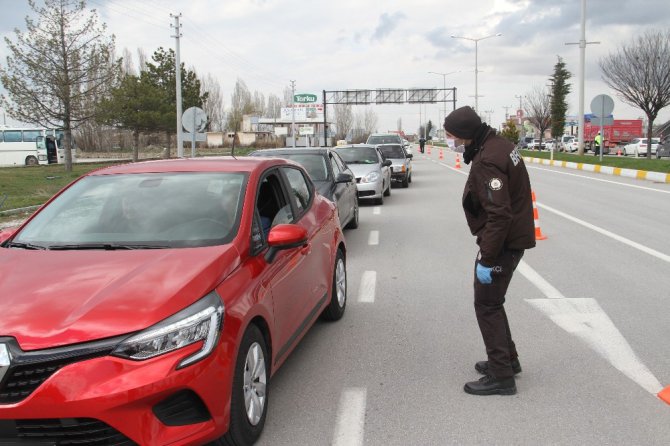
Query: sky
x,y
366,44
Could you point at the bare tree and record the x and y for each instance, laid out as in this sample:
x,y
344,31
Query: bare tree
x,y
273,109
399,124
213,106
538,109
370,121
344,120
640,74
240,104
55,67
258,102
141,60
127,67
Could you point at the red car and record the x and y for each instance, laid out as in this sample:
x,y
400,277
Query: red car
x,y
150,303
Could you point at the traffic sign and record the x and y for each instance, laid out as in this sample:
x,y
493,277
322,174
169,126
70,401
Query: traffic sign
x,y
602,105
601,122
194,120
304,98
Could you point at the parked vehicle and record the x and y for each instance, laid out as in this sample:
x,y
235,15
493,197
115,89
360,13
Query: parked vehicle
x,y
564,142
638,147
536,144
373,173
549,144
525,142
331,176
622,131
401,169
161,307
663,148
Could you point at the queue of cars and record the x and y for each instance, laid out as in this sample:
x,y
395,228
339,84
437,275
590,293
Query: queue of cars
x,y
171,291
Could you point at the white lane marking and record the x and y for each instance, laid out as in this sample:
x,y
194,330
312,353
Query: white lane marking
x,y
350,428
373,238
599,179
607,233
367,287
547,289
376,210
584,318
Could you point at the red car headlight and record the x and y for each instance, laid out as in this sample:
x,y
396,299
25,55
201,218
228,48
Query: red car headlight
x,y
200,322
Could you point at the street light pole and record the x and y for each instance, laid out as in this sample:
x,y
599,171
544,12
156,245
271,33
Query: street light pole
x,y
444,90
476,61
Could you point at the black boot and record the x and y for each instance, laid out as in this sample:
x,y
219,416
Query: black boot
x,y
488,385
483,367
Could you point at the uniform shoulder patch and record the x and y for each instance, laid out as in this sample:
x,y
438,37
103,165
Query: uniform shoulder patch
x,y
495,184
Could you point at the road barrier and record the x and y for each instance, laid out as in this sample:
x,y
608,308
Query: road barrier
x,y
458,162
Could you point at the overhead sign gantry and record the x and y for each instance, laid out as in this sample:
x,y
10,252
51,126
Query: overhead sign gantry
x,y
385,96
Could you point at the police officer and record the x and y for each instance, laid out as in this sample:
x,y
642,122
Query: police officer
x,y
499,211
422,144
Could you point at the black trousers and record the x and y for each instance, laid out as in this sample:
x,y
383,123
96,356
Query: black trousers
x,y
491,316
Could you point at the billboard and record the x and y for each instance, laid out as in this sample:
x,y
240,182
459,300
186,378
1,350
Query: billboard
x,y
303,113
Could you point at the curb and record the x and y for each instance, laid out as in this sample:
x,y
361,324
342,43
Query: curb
x,y
608,170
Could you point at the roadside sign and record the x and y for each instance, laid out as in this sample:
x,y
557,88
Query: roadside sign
x,y
601,122
304,98
602,105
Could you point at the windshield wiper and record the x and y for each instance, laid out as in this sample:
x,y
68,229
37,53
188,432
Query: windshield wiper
x,y
24,245
103,246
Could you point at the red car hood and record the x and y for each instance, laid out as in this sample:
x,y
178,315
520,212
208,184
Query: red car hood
x,y
55,298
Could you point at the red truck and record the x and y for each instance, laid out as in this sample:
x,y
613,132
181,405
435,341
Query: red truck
x,y
622,131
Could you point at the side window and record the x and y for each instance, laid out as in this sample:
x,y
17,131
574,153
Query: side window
x,y
341,164
300,188
271,203
336,169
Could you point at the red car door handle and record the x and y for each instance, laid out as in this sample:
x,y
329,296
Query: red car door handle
x,y
306,249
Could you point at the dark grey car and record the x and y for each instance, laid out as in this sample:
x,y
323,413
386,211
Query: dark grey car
x,y
663,148
330,175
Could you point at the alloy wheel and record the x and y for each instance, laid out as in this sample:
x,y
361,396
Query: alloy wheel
x,y
341,282
255,382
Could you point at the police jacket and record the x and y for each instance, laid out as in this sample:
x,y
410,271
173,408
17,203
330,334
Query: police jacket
x,y
497,199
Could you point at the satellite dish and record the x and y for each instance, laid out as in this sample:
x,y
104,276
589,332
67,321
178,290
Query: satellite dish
x,y
194,120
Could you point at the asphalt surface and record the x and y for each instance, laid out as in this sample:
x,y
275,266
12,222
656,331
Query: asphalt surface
x,y
589,315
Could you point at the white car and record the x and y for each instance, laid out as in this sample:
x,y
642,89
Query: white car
x,y
638,147
563,144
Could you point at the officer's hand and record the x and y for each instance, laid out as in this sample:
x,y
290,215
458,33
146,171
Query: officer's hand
x,y
484,274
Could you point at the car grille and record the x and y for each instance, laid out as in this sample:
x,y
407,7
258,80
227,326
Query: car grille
x,y
61,432
28,370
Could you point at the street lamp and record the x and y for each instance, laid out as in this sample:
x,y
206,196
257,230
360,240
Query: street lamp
x,y
476,68
444,90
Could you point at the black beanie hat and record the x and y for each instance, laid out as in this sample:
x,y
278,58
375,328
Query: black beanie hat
x,y
463,123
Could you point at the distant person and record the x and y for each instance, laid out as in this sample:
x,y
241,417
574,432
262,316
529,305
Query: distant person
x,y
499,211
422,144
596,144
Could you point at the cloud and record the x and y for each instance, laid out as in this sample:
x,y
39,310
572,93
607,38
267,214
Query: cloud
x,y
387,23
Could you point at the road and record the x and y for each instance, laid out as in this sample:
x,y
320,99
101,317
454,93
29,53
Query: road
x,y
588,309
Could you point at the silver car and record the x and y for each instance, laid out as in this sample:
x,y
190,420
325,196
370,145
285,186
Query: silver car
x,y
372,171
401,169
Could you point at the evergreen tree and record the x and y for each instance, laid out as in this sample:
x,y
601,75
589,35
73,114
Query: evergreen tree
x,y
58,68
136,104
510,131
559,91
161,74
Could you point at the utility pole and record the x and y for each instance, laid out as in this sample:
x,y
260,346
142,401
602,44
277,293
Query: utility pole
x,y
293,111
177,63
507,107
582,61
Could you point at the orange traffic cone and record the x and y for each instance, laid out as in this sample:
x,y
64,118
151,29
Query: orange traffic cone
x,y
665,394
458,162
441,155
618,152
428,145
538,231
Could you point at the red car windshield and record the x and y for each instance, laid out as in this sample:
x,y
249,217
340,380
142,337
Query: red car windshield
x,y
131,211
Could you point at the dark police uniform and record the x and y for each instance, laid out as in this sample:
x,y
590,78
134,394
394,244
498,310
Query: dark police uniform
x,y
499,210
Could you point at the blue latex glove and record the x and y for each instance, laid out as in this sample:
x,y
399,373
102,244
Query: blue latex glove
x,y
484,274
